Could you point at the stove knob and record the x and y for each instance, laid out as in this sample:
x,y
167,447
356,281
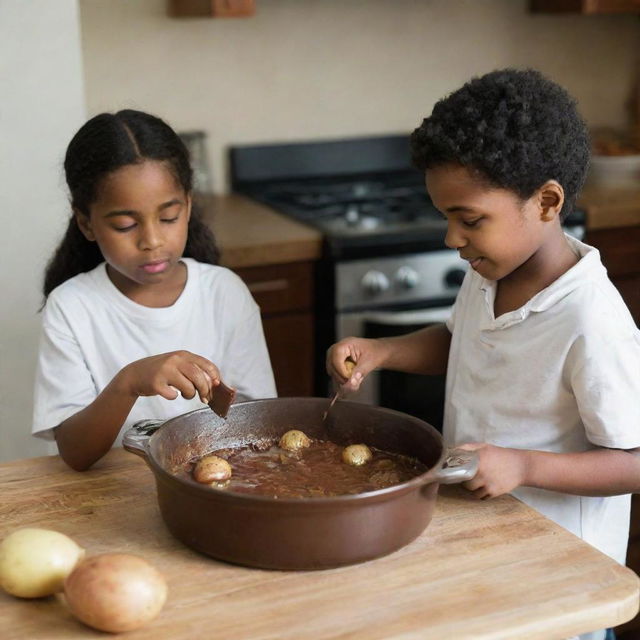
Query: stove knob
x,y
375,282
454,277
406,277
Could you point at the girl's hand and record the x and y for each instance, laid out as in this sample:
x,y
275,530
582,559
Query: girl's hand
x,y
366,353
168,374
500,470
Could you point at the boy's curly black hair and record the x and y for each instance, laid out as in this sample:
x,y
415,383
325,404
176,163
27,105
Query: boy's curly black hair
x,y
516,128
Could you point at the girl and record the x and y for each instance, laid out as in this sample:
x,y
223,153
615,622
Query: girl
x,y
134,304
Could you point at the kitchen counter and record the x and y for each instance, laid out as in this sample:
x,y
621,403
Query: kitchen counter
x,y
251,234
481,570
610,207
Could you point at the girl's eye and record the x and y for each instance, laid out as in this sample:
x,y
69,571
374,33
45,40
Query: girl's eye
x,y
471,223
169,220
124,229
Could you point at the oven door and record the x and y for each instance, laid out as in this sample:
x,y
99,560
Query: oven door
x,y
417,395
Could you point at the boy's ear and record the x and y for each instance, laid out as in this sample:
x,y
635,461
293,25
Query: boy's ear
x,y
551,199
84,224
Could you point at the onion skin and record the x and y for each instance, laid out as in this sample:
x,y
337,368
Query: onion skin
x,y
115,592
34,562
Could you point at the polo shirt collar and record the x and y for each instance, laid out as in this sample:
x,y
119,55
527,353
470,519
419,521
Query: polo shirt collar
x,y
583,271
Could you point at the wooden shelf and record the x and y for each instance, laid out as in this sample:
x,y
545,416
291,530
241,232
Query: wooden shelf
x,y
584,6
211,8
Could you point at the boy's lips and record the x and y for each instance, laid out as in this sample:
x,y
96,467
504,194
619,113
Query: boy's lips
x,y
473,262
155,267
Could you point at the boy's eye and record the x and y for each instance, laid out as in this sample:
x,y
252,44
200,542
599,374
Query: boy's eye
x,y
471,223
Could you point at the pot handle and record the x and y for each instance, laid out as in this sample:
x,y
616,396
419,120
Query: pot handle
x,y
459,465
136,438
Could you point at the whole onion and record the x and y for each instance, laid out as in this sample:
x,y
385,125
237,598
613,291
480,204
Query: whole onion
x,y
115,592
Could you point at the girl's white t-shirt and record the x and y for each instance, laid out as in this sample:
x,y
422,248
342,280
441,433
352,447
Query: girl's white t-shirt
x,y
561,374
90,331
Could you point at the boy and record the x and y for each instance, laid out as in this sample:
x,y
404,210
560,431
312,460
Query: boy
x,y
541,354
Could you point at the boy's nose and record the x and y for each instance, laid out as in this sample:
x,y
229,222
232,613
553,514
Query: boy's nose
x,y
454,238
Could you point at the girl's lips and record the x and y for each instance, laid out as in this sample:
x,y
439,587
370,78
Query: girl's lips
x,y
475,262
155,267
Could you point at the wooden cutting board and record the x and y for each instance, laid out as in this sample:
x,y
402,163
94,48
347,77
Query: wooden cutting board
x,y
481,570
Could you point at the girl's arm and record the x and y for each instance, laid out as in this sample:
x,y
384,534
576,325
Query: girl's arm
x,y
87,435
425,351
599,472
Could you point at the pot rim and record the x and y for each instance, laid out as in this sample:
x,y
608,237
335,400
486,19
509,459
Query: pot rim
x,y
424,479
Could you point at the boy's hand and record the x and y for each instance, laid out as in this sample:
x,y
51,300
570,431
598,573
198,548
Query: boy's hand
x,y
500,470
171,373
366,353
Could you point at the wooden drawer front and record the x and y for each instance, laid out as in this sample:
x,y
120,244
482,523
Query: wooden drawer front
x,y
290,342
629,288
280,287
619,248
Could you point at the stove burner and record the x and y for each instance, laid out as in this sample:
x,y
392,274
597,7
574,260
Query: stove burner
x,y
350,207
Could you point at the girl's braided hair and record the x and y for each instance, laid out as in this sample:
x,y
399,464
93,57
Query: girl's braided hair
x,y
102,145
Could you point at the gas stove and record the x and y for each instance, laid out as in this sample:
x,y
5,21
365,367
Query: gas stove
x,y
362,193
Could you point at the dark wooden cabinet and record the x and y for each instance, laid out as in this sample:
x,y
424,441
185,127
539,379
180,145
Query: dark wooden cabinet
x,y
211,8
631,630
585,6
285,294
620,251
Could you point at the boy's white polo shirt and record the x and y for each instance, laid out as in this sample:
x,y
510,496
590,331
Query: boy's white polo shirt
x,y
562,374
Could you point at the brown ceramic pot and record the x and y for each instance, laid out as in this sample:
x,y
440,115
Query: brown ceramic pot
x,y
296,533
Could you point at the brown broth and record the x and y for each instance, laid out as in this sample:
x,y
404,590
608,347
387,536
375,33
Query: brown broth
x,y
317,471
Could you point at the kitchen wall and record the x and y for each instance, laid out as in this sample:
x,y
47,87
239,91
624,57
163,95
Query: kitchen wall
x,y
42,105
303,69
299,69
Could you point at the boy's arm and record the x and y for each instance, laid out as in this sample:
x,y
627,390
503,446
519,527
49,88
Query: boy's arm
x,y
599,472
425,351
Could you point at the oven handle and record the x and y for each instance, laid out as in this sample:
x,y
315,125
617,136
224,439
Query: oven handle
x,y
415,316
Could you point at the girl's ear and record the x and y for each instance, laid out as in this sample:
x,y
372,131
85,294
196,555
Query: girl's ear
x,y
84,224
189,203
551,199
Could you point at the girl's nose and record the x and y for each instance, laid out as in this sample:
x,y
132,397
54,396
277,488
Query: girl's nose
x,y
151,237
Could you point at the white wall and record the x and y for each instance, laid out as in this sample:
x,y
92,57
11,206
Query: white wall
x,y
327,68
41,105
299,69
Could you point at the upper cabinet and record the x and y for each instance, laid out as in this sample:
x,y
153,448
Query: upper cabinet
x,y
585,6
211,8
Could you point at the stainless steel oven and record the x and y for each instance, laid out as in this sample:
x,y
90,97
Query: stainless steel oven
x,y
392,296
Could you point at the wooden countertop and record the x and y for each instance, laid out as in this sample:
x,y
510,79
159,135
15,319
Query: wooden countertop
x,y
481,570
610,207
251,234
